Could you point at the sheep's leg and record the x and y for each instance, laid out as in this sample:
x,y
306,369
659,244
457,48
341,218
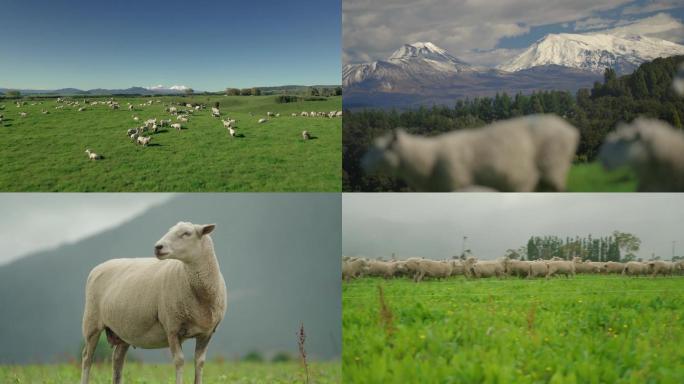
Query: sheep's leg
x,y
201,344
88,353
118,358
177,354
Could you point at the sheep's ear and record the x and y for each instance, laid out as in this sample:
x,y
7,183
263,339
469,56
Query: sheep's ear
x,y
205,229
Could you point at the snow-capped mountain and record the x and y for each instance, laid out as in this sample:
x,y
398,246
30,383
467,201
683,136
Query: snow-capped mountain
x,y
421,59
173,88
593,52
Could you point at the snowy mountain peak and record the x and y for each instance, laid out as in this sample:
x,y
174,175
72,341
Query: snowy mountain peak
x,y
162,88
593,52
425,51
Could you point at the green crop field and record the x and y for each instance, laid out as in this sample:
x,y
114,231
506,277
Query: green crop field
x,y
136,373
590,329
45,152
592,177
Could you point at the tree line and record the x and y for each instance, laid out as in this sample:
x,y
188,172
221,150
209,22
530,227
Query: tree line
x,y
595,112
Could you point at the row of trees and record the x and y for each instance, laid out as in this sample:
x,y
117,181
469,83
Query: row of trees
x,y
254,91
595,112
619,246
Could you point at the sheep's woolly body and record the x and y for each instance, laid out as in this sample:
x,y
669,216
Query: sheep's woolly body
x,y
635,268
653,149
520,154
151,303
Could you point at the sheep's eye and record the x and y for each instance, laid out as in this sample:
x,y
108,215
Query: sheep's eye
x,y
185,234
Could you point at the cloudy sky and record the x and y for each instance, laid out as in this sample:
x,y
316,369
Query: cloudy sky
x,y
32,222
488,32
433,225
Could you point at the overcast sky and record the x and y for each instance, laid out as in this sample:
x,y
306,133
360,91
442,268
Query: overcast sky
x,y
30,222
433,225
489,32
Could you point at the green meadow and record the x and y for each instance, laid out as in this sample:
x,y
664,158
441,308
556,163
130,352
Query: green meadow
x,y
46,152
591,177
214,373
589,329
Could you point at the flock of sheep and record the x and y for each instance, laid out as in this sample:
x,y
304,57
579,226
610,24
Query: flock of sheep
x,y
420,268
181,112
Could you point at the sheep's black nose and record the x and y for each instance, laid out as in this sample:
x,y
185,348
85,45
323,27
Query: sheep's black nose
x,y
158,247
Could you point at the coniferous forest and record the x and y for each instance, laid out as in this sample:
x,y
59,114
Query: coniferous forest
x,y
595,112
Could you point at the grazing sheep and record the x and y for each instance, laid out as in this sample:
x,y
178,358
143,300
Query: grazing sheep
x,y
430,268
613,267
560,267
270,114
485,268
385,269
157,303
136,118
659,267
144,140
45,112
306,135
521,154
81,109
353,268
130,107
176,126
519,268
635,268
131,131
538,269
23,114
92,155
182,119
587,266
231,131
165,123
305,114
293,114
262,120
134,137
338,114
653,149
172,110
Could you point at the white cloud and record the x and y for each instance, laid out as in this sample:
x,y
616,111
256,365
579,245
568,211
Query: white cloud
x,y
161,87
35,222
661,25
375,28
593,23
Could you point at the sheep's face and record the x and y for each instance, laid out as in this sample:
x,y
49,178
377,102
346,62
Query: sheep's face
x,y
383,156
621,148
182,242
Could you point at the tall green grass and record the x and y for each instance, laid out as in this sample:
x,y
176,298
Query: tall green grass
x,y
136,373
590,329
46,152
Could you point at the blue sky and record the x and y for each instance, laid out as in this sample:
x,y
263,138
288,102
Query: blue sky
x,y
206,45
489,32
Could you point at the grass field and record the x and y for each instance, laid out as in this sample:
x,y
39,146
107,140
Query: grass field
x,y
590,329
46,152
592,178
136,373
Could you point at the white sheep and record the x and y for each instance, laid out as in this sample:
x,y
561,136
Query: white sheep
x,y
521,154
270,114
306,135
176,126
92,155
653,149
81,109
678,81
182,119
23,114
157,302
262,120
560,267
305,114
293,114
635,268
231,131
144,140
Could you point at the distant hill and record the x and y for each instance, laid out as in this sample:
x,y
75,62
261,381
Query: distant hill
x,y
157,90
279,254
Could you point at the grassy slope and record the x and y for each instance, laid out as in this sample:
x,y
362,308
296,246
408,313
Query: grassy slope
x,y
592,178
591,329
46,152
320,373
